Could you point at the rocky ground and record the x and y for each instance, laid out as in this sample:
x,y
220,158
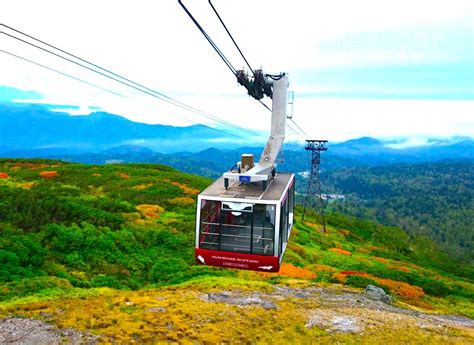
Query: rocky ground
x,y
344,311
286,314
30,331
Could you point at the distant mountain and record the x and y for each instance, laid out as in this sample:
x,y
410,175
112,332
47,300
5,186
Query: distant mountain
x,y
24,128
211,162
31,131
372,152
128,149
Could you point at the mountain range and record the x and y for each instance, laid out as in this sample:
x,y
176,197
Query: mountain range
x,y
29,131
32,130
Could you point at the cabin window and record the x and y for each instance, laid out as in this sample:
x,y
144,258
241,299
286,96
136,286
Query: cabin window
x,y
209,229
236,229
263,229
291,203
284,223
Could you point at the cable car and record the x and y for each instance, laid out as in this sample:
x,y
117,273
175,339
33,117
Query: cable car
x,y
244,219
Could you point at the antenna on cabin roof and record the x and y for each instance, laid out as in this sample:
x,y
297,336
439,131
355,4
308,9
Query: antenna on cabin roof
x,y
314,184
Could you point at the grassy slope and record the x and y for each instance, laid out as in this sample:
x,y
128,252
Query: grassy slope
x,y
131,227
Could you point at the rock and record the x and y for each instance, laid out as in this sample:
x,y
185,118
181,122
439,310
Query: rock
x,y
303,295
229,298
345,324
334,322
377,294
314,320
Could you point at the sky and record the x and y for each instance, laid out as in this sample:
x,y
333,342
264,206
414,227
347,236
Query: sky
x,y
393,70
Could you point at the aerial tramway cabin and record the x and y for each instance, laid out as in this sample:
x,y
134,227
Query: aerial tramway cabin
x,y
244,218
243,226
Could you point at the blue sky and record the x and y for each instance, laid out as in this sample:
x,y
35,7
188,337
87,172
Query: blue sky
x,y
384,69
410,81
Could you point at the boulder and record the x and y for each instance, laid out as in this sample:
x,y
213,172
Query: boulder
x,y
377,294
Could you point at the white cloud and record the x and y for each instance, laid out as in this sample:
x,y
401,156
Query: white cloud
x,y
411,142
155,43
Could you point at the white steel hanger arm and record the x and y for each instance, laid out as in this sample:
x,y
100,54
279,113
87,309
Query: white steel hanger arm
x,y
264,169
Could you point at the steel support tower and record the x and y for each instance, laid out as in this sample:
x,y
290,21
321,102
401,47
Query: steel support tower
x,y
314,183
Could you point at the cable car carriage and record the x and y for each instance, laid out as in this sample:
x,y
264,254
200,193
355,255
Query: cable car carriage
x,y
244,218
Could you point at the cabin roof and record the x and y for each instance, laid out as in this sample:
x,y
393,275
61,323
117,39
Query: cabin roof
x,y
237,190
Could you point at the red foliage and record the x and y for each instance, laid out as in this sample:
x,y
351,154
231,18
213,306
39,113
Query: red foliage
x,y
354,273
340,251
401,268
48,174
289,270
3,175
402,289
382,260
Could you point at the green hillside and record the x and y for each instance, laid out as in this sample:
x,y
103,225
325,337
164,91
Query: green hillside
x,y
68,230
435,200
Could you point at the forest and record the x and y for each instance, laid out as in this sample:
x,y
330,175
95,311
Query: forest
x,y
434,200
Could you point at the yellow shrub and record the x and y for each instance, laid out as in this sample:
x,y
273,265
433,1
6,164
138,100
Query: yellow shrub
x,y
183,200
150,211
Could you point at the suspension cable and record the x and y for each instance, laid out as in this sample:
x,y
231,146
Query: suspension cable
x,y
102,88
110,72
62,73
232,38
299,128
208,38
127,82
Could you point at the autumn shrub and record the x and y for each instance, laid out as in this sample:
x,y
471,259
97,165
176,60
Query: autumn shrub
x,y
338,278
401,289
430,286
48,174
382,260
321,268
288,270
3,175
400,268
340,251
150,211
184,188
182,201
